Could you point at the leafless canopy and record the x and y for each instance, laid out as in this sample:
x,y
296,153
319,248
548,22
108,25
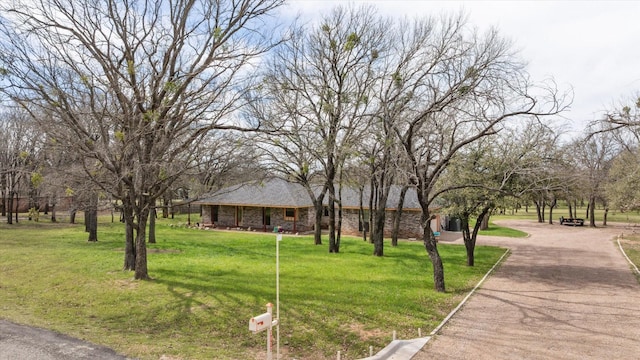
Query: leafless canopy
x,y
132,85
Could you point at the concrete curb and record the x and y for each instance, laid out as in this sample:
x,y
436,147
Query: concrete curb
x,y
400,349
635,268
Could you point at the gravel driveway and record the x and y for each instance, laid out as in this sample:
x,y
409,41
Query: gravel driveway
x,y
563,293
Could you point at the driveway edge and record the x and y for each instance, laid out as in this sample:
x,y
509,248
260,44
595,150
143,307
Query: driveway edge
x,y
461,304
635,268
407,349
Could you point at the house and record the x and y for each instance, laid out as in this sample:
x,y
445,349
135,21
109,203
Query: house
x,y
278,204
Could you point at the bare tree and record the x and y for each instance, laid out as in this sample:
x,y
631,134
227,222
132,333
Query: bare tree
x,y
463,88
623,183
382,150
485,172
622,123
625,116
132,86
594,154
548,173
318,90
18,154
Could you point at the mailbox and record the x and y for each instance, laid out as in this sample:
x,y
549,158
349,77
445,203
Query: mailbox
x,y
260,322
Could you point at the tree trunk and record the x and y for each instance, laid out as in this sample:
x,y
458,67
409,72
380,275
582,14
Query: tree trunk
x,y
362,220
339,226
17,201
371,206
141,272
379,215
330,170
466,238
588,208
10,209
91,217
339,222
471,247
333,246
551,206
431,247
72,215
398,216
470,237
3,195
570,210
539,212
165,205
130,249
484,221
592,210
152,226
377,232
606,213
92,224
317,228
53,213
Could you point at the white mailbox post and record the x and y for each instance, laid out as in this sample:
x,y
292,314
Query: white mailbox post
x,y
260,323
264,322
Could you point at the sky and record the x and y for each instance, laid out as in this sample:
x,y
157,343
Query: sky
x,y
591,47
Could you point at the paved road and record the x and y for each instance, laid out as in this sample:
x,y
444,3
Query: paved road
x,y
19,342
563,293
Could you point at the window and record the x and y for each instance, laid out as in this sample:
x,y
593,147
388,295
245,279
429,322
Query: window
x,y
290,214
326,211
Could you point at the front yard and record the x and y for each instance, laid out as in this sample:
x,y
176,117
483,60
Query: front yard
x,y
208,284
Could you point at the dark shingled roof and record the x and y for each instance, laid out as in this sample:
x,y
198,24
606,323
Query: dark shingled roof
x,y
271,192
275,192
351,198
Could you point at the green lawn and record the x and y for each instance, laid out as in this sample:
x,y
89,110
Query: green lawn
x,y
208,284
495,230
631,246
612,216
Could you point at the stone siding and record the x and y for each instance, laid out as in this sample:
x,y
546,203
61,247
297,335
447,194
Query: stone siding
x,y
206,215
226,216
252,217
409,223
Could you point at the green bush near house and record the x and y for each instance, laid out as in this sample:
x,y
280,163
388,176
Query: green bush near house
x,y
208,284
